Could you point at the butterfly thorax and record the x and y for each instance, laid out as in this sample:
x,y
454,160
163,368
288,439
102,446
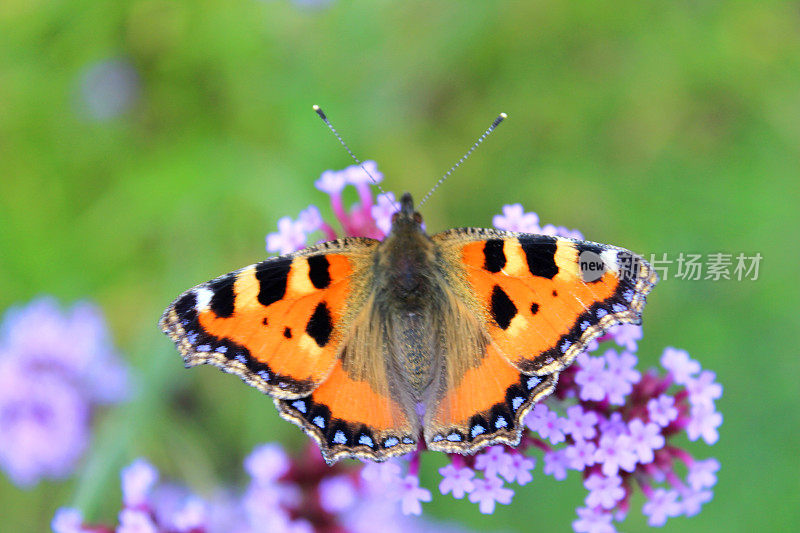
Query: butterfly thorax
x,y
406,271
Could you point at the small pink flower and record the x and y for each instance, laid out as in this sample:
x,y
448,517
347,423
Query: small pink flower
x,y
457,481
489,491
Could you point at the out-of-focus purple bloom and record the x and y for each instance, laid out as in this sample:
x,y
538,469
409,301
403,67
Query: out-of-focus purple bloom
x,y
592,520
556,464
67,520
519,471
489,491
662,410
546,423
337,494
290,237
591,377
365,174
331,182
311,219
561,231
55,367
457,481
703,474
136,521
703,390
411,495
493,461
693,500
662,504
138,479
620,375
679,364
383,211
266,463
581,454
703,422
614,453
514,218
645,437
626,335
579,423
108,88
604,491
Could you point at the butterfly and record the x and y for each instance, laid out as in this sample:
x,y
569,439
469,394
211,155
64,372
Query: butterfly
x,y
376,347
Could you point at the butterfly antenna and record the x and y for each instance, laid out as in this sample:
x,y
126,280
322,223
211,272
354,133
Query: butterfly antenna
x,y
318,110
500,118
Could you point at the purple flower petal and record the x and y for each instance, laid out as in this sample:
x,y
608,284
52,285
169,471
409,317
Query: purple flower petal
x,y
645,437
604,491
592,520
703,422
266,463
662,410
457,481
679,364
67,520
662,504
489,491
514,218
703,474
138,479
411,495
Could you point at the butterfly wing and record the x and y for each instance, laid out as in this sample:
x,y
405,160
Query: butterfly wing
x,y
539,309
282,325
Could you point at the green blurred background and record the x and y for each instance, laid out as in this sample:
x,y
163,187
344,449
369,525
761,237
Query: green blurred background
x,y
661,127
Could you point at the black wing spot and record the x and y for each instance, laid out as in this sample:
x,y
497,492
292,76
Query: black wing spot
x,y
287,332
320,325
264,321
272,276
185,306
319,271
503,309
555,293
222,301
534,308
540,252
493,257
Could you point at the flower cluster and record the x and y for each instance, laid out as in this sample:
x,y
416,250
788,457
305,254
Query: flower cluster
x,y
55,367
296,495
606,420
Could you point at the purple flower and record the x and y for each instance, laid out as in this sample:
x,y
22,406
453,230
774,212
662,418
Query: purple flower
x,y
67,520
457,481
136,521
547,423
604,491
679,364
561,231
662,410
620,375
644,438
266,463
108,88
703,474
703,422
488,491
290,237
494,461
383,211
579,423
411,494
519,469
581,454
337,493
661,505
369,174
626,335
138,479
514,218
591,377
615,453
703,390
592,520
556,464
311,219
692,500
331,182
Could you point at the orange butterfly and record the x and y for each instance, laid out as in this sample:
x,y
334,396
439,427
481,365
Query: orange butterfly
x,y
371,346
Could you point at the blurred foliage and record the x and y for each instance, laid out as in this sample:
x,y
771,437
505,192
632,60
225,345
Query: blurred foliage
x,y
662,127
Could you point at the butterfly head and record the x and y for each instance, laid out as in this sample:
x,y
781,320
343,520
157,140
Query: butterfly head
x,y
406,218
